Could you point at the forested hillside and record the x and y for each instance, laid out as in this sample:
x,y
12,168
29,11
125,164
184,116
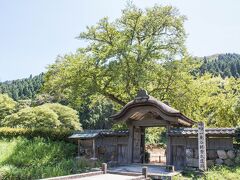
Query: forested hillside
x,y
225,65
22,88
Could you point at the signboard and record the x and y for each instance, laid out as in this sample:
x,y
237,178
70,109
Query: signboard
x,y
202,147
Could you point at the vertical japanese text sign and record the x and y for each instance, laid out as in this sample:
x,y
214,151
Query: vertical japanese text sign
x,y
202,147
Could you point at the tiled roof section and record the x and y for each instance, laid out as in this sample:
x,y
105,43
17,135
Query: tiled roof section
x,y
114,133
208,131
84,135
143,98
90,134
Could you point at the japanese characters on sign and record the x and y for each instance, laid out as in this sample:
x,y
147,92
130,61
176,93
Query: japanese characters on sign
x,y
202,146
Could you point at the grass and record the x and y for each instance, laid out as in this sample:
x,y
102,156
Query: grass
x,y
21,158
215,173
223,172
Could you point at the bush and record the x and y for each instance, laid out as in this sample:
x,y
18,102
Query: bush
x,y
44,116
29,117
66,115
53,134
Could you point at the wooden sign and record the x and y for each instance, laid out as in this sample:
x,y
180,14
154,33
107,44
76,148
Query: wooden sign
x,y
202,147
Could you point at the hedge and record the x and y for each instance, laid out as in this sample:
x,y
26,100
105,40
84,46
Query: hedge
x,y
53,134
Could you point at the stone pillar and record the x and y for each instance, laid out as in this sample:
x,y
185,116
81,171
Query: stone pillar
x,y
202,155
104,168
144,172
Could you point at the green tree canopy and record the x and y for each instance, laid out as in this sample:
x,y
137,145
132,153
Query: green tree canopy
x,y
44,116
95,114
138,50
7,106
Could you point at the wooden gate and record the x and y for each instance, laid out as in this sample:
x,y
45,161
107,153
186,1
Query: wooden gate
x,y
178,156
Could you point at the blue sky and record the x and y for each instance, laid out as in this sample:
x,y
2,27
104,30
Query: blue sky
x,y
34,33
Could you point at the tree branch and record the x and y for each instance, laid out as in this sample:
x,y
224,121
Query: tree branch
x,y
114,98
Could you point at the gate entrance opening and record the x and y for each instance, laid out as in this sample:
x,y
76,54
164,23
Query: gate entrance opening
x,y
155,145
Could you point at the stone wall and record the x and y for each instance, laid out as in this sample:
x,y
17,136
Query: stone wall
x,y
214,157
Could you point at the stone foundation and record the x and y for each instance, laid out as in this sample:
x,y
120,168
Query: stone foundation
x,y
214,157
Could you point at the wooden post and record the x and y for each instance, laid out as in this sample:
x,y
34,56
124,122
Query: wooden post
x,y
104,168
144,172
143,144
130,143
169,148
202,162
78,147
94,150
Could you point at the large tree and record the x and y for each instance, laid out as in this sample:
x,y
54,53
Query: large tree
x,y
141,49
138,50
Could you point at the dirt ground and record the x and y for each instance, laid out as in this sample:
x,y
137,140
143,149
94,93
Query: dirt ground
x,y
157,154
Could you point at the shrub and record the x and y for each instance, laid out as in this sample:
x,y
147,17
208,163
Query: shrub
x,y
36,117
44,116
53,134
66,115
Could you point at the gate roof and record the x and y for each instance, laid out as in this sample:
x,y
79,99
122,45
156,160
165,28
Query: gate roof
x,y
148,107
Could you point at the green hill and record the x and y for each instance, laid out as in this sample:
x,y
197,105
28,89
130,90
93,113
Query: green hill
x,y
22,88
225,65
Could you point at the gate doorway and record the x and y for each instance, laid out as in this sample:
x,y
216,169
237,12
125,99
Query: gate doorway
x,y
155,145
149,145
